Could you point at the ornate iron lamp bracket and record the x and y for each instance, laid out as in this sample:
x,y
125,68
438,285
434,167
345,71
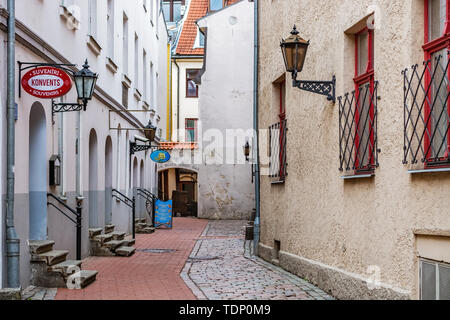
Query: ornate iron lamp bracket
x,y
66,107
134,147
326,88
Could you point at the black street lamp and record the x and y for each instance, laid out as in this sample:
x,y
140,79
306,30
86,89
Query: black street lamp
x,y
150,131
85,81
294,49
247,151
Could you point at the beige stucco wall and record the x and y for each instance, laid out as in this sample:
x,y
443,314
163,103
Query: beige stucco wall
x,y
348,226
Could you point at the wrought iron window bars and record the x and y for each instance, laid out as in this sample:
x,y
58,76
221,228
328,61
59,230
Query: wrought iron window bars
x,y
358,130
277,151
426,113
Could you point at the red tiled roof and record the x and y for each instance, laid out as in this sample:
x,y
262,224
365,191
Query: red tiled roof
x,y
178,145
197,10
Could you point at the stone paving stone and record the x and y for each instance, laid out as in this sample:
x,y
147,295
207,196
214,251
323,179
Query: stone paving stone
x,y
238,275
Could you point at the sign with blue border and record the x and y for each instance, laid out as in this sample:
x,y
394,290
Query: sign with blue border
x,y
164,214
160,156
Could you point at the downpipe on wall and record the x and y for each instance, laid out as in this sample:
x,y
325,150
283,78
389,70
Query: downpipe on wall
x,y
256,128
12,239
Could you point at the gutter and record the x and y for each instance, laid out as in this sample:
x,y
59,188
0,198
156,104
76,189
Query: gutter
x,y
256,130
12,239
178,98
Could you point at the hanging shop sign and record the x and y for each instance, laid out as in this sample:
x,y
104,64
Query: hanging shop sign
x,y
46,82
160,156
164,214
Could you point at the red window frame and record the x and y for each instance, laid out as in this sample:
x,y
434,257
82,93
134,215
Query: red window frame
x,y
368,77
282,116
191,79
430,47
194,128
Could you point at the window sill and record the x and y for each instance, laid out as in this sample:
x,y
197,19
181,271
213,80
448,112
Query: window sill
x,y
111,65
126,81
358,176
137,94
274,183
94,45
429,171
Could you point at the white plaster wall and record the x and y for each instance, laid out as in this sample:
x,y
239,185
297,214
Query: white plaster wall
x,y
71,45
226,103
188,106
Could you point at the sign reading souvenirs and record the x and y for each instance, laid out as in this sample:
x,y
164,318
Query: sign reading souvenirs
x,y
46,82
160,156
164,214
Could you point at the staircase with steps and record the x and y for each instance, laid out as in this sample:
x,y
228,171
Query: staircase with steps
x,y
51,269
110,243
142,227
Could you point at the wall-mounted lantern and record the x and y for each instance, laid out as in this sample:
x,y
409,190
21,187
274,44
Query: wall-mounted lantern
x,y
150,131
85,81
247,151
55,171
294,49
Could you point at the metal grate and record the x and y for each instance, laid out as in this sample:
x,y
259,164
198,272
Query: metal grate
x,y
358,130
156,250
277,150
426,112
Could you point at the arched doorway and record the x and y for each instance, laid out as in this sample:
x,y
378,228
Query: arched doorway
x,y
108,181
37,153
142,186
93,180
181,186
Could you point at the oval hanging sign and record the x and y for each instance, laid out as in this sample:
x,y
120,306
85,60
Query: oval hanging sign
x,y
46,82
160,156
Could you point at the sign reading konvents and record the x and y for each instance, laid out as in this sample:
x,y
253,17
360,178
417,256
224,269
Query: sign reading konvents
x,y
46,82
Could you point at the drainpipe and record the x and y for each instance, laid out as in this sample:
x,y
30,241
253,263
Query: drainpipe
x,y
256,130
12,239
178,99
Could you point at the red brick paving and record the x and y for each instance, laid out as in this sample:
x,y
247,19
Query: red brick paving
x,y
144,276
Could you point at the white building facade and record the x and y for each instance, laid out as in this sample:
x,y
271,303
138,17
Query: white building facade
x,y
226,112
126,43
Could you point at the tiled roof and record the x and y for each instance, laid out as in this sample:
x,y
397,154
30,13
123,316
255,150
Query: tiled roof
x,y
197,10
178,145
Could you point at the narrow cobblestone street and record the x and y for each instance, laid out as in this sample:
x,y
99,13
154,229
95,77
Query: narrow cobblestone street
x,y
221,269
197,259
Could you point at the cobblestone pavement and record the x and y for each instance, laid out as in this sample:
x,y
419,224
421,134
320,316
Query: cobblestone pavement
x,y
38,293
220,268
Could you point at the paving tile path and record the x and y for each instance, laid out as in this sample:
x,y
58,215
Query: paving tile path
x,y
221,268
145,275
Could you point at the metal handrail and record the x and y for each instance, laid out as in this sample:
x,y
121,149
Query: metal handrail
x,y
125,200
77,221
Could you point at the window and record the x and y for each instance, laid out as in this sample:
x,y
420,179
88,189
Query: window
x,y
145,75
191,86
173,10
93,18
364,108
437,137
278,136
215,5
125,96
199,40
136,61
191,130
434,280
110,28
125,44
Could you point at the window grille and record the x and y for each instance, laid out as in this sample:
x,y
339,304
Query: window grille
x,y
277,149
426,113
358,130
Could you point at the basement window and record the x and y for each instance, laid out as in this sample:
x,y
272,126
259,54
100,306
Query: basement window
x,y
434,280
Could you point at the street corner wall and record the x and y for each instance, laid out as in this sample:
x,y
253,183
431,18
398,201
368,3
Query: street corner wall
x,y
225,192
327,223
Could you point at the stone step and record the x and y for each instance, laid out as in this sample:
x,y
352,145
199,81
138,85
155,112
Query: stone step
x,y
82,279
109,228
114,244
38,247
129,242
95,232
51,257
141,225
103,238
148,230
118,235
125,251
143,220
67,267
